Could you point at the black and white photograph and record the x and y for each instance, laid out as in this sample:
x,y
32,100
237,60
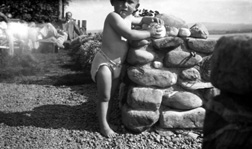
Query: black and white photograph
x,y
125,74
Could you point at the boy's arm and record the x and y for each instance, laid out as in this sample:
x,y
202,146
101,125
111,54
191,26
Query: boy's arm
x,y
119,25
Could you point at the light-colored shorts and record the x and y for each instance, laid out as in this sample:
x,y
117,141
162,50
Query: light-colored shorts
x,y
101,59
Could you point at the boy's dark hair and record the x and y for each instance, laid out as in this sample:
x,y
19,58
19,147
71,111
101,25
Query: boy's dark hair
x,y
112,1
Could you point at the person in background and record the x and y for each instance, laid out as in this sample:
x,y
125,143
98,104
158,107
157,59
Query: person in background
x,y
69,26
48,32
107,63
5,33
62,32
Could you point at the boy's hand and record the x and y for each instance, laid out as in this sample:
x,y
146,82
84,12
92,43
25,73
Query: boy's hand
x,y
149,20
157,30
158,20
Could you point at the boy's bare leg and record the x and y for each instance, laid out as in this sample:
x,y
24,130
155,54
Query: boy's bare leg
x,y
104,85
115,85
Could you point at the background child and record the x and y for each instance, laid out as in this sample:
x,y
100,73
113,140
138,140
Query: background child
x,y
107,63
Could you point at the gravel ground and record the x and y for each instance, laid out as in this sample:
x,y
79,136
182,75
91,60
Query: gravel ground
x,y
55,109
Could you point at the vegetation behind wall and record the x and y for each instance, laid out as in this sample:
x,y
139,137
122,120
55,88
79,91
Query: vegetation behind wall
x,y
34,10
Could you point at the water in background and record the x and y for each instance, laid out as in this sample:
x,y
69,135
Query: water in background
x,y
217,36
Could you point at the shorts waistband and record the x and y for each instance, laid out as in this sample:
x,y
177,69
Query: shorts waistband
x,y
117,64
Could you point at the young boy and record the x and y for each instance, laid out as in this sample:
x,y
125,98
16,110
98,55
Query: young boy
x,y
107,64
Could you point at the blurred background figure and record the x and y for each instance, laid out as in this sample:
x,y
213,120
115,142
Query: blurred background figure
x,y
70,27
50,33
6,38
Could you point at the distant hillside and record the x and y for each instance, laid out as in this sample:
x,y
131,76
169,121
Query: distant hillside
x,y
214,28
225,27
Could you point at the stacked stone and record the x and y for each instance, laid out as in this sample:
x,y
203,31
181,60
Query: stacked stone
x,y
228,119
168,79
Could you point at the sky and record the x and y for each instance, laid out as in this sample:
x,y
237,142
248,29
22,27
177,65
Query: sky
x,y
191,11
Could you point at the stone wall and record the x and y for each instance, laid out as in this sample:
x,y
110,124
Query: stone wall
x,y
228,118
167,83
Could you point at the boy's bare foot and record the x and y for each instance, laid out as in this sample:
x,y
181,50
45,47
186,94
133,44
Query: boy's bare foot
x,y
108,132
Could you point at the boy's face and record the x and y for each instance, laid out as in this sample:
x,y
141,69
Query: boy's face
x,y
125,7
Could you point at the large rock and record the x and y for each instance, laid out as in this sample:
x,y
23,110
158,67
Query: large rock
x,y
144,98
232,64
170,118
205,46
142,55
138,120
167,43
172,21
199,30
181,59
182,101
147,76
194,85
171,31
184,32
190,74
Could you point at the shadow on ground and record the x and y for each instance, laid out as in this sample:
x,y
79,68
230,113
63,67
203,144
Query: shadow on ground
x,y
73,79
79,78
54,116
57,69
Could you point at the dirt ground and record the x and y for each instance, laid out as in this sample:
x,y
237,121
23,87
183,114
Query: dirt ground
x,y
53,106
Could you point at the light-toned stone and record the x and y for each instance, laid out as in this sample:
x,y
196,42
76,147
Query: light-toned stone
x,y
184,32
182,100
181,59
171,31
164,132
190,74
140,56
145,76
157,64
202,45
167,43
144,98
170,118
194,85
138,120
199,30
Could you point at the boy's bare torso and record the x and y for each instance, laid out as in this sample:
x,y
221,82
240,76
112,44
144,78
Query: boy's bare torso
x,y
114,45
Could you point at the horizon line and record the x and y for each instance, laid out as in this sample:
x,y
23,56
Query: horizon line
x,y
195,23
